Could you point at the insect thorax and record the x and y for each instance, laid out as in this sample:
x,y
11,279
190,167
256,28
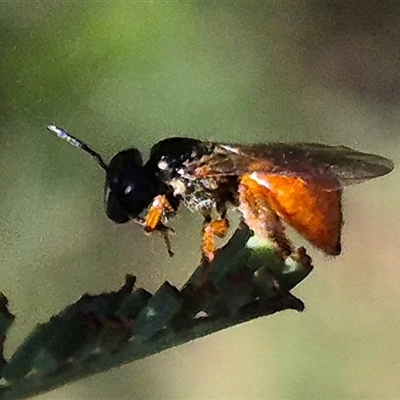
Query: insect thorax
x,y
197,195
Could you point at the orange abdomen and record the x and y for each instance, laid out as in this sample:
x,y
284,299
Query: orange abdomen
x,y
313,208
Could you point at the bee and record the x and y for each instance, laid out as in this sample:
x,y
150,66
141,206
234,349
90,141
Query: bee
x,y
299,184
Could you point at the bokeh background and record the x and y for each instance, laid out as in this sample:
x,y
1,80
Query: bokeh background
x,y
119,74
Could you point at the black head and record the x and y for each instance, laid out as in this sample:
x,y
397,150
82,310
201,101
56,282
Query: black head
x,y
130,186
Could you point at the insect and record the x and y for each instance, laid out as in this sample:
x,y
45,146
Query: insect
x,y
270,184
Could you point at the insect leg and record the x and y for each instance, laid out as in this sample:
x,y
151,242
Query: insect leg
x,y
154,219
211,230
259,217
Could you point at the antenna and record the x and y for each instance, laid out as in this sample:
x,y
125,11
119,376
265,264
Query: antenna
x,y
62,134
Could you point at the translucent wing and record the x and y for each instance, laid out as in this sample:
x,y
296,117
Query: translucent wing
x,y
309,161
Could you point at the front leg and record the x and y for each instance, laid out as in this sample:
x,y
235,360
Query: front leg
x,y
158,211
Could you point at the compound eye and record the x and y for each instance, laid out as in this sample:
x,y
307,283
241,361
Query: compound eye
x,y
126,200
123,194
114,209
130,192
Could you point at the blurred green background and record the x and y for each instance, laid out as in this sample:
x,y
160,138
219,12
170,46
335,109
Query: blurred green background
x,y
118,74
